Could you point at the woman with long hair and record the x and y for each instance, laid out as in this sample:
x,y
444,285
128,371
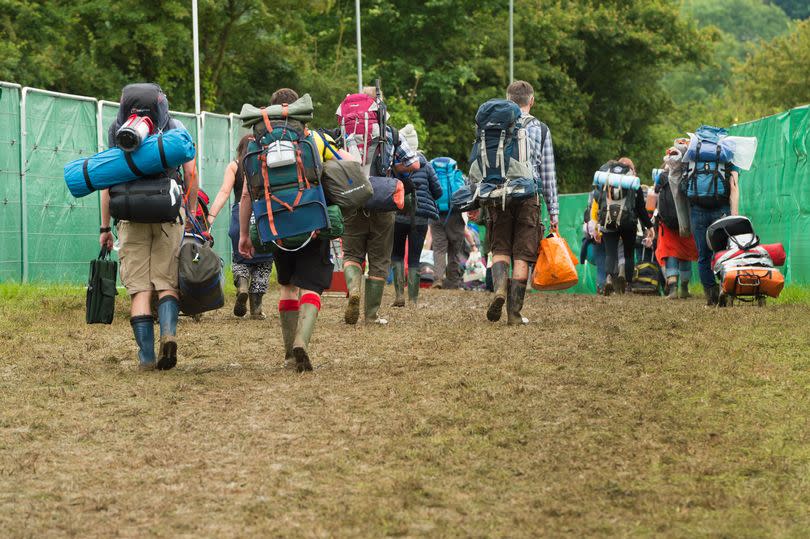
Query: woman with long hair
x,y
250,276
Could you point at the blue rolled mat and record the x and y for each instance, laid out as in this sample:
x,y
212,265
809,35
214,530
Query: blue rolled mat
x,y
111,167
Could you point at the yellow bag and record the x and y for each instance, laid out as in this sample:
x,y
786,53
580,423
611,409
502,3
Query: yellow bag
x,y
556,267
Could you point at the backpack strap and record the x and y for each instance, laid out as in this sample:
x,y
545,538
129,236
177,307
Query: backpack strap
x,y
131,164
87,176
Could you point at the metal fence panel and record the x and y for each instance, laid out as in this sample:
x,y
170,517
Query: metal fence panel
x,y
10,195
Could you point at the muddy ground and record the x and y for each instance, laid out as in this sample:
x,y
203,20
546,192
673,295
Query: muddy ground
x,y
606,416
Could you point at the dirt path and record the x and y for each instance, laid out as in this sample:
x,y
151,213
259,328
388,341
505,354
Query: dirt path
x,y
606,416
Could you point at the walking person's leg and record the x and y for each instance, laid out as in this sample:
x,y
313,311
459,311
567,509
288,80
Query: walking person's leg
x,y
259,282
672,269
685,269
610,239
380,240
355,245
401,231
416,241
438,231
629,247
455,248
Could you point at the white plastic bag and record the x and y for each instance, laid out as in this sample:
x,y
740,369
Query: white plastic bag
x,y
474,269
744,150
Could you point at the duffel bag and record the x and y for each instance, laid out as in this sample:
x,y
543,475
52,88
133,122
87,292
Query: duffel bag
x,y
200,276
111,167
345,184
101,289
148,200
389,194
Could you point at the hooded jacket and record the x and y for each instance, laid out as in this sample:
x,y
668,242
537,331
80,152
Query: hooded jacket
x,y
428,190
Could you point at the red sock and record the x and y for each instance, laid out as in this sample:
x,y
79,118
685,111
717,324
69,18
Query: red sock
x,y
287,305
312,299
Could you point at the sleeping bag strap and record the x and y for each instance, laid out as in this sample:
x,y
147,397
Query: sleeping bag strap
x,y
266,121
87,176
131,164
162,152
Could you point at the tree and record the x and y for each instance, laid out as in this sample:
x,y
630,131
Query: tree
x,y
775,78
795,9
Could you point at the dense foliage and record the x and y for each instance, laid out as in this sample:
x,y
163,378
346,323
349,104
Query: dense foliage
x,y
612,77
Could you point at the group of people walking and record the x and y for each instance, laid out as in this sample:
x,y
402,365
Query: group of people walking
x,y
513,170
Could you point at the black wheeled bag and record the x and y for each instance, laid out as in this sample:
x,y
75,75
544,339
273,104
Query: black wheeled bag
x,y
101,289
147,200
200,276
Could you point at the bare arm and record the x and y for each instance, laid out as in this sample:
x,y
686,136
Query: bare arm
x,y
245,209
228,182
190,175
734,192
106,238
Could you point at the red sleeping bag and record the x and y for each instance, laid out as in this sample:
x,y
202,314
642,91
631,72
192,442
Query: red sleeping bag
x,y
774,250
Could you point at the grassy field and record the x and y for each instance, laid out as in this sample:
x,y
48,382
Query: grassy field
x,y
623,416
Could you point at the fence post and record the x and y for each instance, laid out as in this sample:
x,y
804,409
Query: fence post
x,y
23,190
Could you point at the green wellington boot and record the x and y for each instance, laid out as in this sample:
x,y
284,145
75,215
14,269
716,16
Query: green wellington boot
x,y
374,294
289,325
256,312
399,284
514,303
242,287
684,292
354,276
500,284
413,286
307,316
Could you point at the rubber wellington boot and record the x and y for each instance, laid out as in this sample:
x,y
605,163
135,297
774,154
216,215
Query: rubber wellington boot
x,y
307,316
242,287
169,310
672,284
374,294
413,286
399,284
144,329
289,325
256,312
500,284
712,294
354,276
609,284
514,303
684,292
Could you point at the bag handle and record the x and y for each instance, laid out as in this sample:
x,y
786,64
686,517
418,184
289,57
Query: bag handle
x,y
104,254
311,237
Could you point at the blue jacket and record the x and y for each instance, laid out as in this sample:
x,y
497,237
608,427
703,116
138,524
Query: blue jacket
x,y
428,190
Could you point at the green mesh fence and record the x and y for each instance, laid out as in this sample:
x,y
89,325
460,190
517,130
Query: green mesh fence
x,y
775,193
216,155
62,231
10,194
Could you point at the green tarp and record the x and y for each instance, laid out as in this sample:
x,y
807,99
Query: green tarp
x,y
10,194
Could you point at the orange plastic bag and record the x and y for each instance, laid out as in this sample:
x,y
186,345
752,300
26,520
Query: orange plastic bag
x,y
556,267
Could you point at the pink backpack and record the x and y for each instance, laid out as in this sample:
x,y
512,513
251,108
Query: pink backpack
x,y
359,122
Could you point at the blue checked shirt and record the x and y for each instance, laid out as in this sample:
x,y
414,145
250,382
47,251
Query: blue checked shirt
x,y
543,164
402,154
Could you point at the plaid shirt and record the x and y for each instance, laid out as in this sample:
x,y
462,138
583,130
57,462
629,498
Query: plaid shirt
x,y
402,154
543,164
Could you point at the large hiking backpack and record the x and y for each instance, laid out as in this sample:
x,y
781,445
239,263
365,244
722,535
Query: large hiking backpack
x,y
500,160
142,99
283,169
617,199
667,211
707,178
450,178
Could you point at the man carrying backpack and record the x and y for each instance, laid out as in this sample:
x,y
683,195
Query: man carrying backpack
x,y
149,250
447,231
370,233
509,174
712,189
303,273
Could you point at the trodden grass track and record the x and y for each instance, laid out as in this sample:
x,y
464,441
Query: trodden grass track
x,y
623,416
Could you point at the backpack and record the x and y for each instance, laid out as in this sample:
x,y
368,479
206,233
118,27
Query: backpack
x,y
707,181
362,131
142,99
500,160
450,178
617,204
667,211
283,169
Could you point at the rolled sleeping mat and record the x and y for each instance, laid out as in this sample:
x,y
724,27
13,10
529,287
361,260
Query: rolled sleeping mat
x,y
156,154
616,180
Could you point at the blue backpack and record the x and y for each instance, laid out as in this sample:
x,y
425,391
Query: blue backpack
x,y
707,177
450,178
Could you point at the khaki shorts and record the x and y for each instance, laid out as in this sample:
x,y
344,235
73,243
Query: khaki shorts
x,y
516,230
149,254
372,234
